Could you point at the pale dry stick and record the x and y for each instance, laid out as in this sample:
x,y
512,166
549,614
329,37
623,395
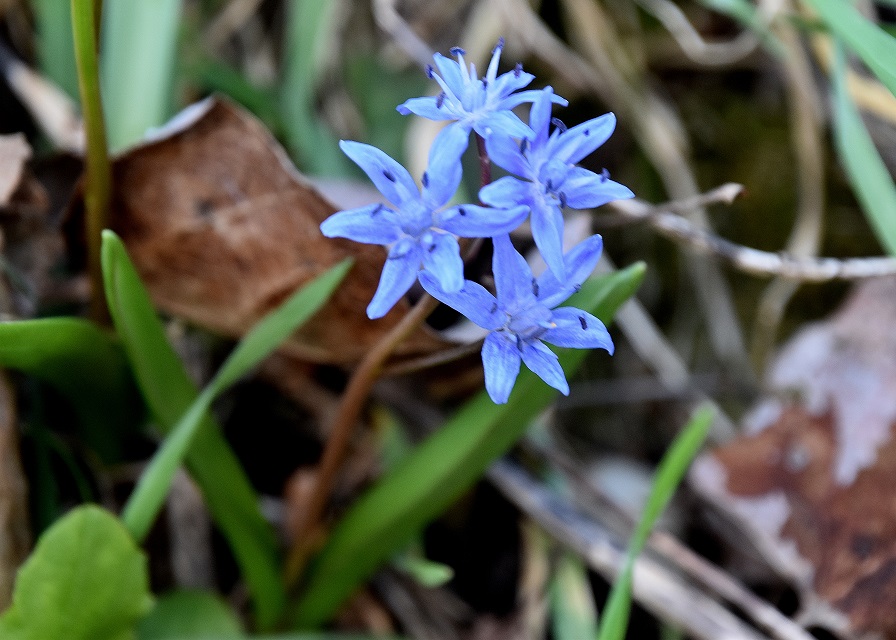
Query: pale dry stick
x,y
599,506
658,130
655,587
749,260
389,20
190,533
809,153
711,54
350,406
228,21
53,111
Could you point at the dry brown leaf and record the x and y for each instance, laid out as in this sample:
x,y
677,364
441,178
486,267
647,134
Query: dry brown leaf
x,y
812,483
15,536
222,229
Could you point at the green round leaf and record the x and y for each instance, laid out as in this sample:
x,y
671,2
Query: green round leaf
x,y
189,614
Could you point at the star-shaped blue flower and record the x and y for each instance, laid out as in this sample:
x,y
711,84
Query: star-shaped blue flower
x,y
416,231
524,313
479,104
550,180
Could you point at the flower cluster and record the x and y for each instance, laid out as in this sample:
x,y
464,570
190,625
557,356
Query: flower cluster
x,y
421,231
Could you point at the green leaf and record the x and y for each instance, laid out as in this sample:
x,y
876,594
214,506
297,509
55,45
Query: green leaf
x,y
85,580
55,44
309,34
149,495
139,45
424,483
85,365
875,47
573,614
869,176
669,474
169,392
190,614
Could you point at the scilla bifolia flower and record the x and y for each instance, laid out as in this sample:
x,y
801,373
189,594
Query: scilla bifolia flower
x,y
550,180
416,231
482,104
524,312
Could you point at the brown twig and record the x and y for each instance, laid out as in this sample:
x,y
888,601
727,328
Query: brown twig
x,y
350,406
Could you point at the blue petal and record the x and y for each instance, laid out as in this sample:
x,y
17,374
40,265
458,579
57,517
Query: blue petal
x,y
544,363
580,141
441,257
580,262
505,122
584,189
373,224
472,300
507,83
444,173
426,107
513,277
473,221
532,95
547,231
578,329
540,117
399,273
451,74
506,192
501,362
390,178
505,152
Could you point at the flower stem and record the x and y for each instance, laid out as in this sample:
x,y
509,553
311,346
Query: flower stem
x,y
98,181
359,385
485,165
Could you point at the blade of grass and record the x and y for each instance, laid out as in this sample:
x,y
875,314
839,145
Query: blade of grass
x,y
573,613
98,171
55,44
748,16
875,46
169,392
866,170
139,48
148,496
669,474
424,483
309,34
86,366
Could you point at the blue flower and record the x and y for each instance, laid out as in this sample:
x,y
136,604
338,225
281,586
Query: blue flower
x,y
550,179
524,313
480,104
415,230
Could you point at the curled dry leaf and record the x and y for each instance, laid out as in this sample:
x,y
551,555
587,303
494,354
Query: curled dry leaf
x,y
222,228
812,482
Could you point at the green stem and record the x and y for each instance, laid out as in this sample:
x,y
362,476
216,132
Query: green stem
x,y
98,172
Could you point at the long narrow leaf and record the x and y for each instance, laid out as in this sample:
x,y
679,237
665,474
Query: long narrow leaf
x,y
672,468
169,392
875,46
149,495
423,484
85,365
138,54
868,174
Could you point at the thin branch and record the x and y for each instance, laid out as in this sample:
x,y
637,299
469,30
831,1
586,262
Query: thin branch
x,y
760,263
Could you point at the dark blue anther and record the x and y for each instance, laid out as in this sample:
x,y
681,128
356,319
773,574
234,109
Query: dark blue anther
x,y
583,322
524,144
462,211
440,100
586,132
535,287
518,69
499,46
425,179
484,83
557,122
604,175
562,197
457,51
430,72
376,210
519,344
494,307
389,175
